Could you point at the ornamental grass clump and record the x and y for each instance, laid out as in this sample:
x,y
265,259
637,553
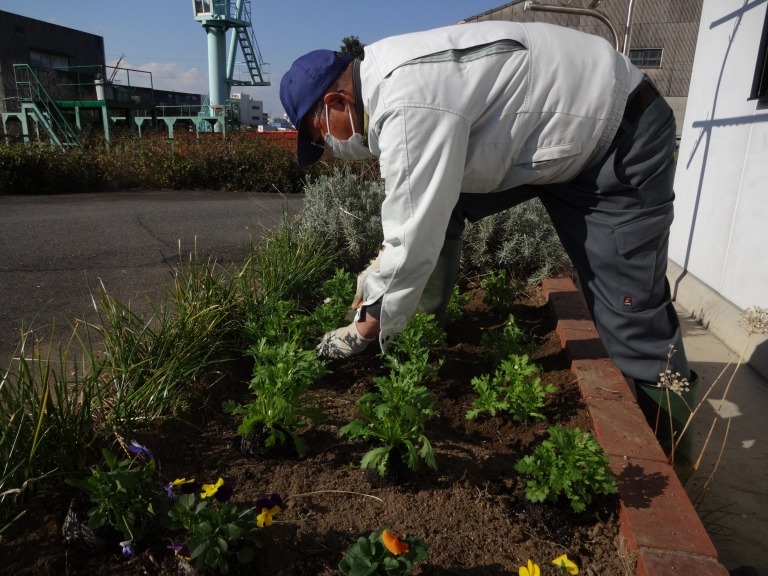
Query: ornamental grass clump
x,y
382,553
149,360
287,265
514,388
569,463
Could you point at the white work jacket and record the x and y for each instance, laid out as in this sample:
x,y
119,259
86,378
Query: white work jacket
x,y
477,108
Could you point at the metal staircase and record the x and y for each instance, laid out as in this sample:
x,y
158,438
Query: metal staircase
x,y
249,48
35,101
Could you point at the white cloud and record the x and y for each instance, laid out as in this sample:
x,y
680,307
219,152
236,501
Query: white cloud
x,y
170,76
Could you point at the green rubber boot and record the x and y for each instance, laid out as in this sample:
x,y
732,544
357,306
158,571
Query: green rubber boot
x,y
437,292
667,413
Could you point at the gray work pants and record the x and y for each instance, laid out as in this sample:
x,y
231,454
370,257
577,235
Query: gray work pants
x,y
613,221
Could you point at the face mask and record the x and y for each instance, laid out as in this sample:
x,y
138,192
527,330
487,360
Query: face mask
x,y
351,149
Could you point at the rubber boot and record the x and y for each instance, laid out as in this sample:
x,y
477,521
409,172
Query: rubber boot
x,y
437,292
667,413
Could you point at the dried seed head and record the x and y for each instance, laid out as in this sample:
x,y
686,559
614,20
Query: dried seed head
x,y
755,320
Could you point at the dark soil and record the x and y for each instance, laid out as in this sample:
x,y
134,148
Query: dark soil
x,y
472,512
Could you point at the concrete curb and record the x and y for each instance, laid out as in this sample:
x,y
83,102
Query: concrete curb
x,y
657,518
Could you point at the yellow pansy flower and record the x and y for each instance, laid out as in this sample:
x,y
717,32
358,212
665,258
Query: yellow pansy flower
x,y
530,570
566,566
265,518
211,489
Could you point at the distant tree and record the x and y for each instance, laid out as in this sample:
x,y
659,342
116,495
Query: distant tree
x,y
352,45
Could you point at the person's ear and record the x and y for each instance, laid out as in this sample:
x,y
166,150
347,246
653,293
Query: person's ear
x,y
334,99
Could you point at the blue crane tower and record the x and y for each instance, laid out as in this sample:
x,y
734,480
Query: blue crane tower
x,y
217,18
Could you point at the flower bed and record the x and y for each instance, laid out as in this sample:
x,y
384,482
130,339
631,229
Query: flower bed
x,y
471,512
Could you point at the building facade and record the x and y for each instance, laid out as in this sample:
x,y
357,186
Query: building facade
x,y
662,38
63,58
716,244
251,111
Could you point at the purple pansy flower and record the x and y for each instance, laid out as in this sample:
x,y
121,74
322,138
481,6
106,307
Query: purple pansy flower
x,y
140,450
180,550
127,547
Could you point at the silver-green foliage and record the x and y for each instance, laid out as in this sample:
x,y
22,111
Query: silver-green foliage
x,y
568,463
346,211
521,239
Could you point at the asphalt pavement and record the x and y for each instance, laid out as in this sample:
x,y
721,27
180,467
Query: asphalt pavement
x,y
55,251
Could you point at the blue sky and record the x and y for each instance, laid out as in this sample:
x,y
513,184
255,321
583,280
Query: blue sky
x,y
162,36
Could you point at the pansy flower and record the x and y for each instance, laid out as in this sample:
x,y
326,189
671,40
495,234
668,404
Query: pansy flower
x,y
222,491
269,508
393,543
566,566
180,550
127,547
140,450
211,489
530,570
184,486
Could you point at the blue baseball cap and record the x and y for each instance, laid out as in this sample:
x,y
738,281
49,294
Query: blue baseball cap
x,y
302,86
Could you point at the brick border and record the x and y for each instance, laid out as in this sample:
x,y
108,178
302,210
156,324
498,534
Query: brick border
x,y
656,517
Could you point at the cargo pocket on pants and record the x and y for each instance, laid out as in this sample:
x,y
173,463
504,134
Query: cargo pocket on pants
x,y
641,259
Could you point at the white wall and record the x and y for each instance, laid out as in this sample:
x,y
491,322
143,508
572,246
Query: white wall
x,y
720,234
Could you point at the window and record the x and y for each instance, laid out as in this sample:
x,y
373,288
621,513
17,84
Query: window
x,y
47,61
646,57
760,83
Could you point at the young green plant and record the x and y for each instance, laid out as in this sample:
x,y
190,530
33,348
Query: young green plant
x,y
216,532
282,375
569,463
124,494
382,553
514,388
508,341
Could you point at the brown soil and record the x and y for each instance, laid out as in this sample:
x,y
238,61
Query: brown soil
x,y
471,512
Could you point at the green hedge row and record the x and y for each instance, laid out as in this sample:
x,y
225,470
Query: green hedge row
x,y
248,162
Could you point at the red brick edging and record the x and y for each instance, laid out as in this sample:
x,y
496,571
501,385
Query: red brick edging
x,y
657,518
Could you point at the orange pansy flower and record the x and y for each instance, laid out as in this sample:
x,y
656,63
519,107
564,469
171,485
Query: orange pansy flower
x,y
393,544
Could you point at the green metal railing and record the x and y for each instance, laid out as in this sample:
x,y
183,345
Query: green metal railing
x,y
35,100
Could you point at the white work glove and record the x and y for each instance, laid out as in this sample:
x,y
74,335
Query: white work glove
x,y
342,343
361,278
